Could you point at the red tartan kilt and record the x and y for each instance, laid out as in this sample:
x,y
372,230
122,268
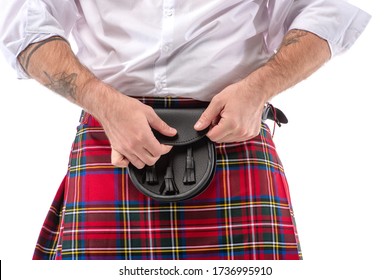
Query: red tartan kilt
x,y
97,213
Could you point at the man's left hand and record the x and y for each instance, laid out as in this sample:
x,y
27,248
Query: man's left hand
x,y
234,114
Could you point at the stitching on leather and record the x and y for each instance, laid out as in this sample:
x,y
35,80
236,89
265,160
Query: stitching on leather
x,y
186,141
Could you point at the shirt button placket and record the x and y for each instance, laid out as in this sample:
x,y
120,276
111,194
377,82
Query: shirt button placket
x,y
167,23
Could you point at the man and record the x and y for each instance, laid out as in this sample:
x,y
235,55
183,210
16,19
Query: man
x,y
134,56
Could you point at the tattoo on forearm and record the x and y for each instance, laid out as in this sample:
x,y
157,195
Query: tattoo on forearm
x,y
293,37
25,56
63,83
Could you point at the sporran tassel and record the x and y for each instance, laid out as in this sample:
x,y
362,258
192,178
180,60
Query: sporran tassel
x,y
168,186
189,173
150,175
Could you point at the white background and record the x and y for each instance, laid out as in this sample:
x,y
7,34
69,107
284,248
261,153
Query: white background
x,y
335,151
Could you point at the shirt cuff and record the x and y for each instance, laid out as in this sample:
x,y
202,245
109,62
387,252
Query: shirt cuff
x,y
340,30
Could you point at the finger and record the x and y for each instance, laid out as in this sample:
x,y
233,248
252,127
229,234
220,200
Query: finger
x,y
230,138
118,159
210,115
166,149
135,161
146,157
153,147
158,124
221,138
149,159
238,135
220,131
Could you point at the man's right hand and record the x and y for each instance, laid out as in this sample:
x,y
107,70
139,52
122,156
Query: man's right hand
x,y
128,124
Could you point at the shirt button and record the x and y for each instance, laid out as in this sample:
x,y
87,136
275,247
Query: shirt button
x,y
166,48
168,12
159,86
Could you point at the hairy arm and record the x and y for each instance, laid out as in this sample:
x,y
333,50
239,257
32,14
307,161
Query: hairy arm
x,y
53,64
300,55
235,112
125,120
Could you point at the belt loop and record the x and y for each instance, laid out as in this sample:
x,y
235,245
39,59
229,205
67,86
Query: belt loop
x,y
84,117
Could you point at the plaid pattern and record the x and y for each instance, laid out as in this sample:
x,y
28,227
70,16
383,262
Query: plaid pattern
x,y
98,214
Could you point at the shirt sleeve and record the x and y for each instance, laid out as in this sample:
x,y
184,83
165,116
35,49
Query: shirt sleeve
x,y
336,21
29,21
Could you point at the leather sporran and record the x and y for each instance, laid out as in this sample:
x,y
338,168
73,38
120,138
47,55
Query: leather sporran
x,y
187,169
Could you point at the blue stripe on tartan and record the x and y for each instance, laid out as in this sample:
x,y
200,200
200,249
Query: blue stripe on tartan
x,y
83,171
221,233
119,215
181,217
167,255
220,202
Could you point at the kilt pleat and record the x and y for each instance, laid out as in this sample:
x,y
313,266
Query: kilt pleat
x,y
97,213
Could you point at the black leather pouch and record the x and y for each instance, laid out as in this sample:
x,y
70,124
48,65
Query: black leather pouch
x,y
187,169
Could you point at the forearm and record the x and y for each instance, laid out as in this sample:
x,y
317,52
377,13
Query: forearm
x,y
53,64
126,121
300,54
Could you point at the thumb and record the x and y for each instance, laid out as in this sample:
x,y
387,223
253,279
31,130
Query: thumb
x,y
158,124
209,115
118,159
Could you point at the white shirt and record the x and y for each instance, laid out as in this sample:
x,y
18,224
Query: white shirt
x,y
175,47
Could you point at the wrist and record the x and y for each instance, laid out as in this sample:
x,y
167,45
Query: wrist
x,y
94,96
259,86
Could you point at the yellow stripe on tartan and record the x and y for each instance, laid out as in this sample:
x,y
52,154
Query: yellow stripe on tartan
x,y
88,129
179,250
222,163
125,218
266,163
77,192
88,167
56,239
54,247
225,205
79,168
176,232
178,208
54,211
272,195
50,251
